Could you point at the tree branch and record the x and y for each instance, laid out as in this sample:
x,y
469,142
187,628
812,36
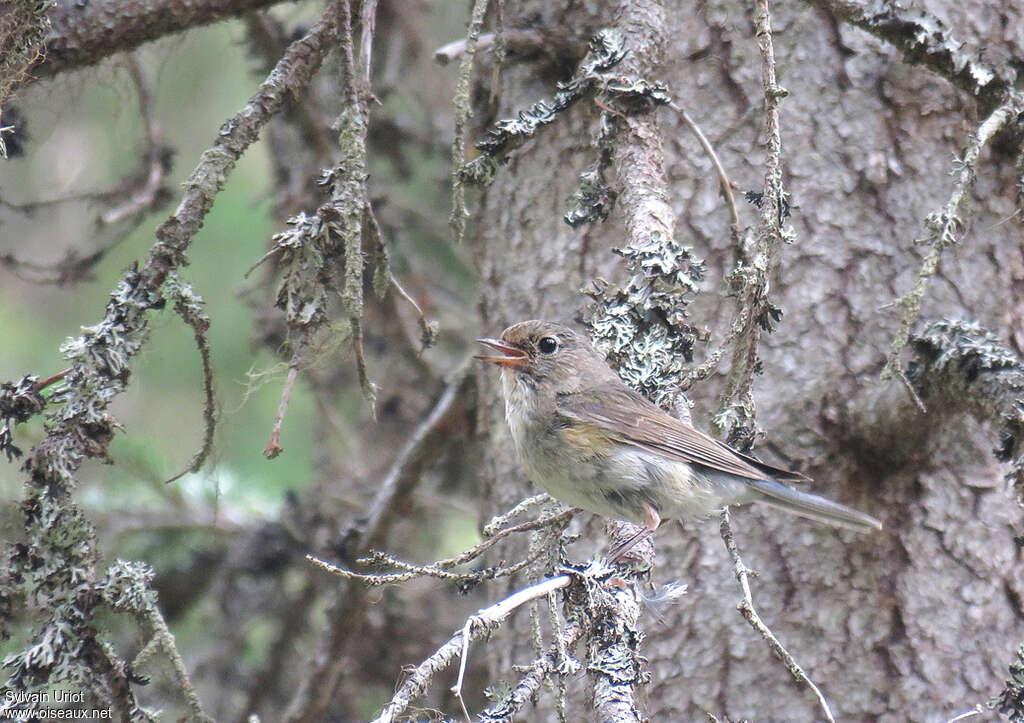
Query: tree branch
x,y
84,33
925,40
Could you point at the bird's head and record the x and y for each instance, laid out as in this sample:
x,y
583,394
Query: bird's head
x,y
543,352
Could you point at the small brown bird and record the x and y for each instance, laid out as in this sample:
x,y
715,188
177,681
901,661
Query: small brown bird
x,y
592,442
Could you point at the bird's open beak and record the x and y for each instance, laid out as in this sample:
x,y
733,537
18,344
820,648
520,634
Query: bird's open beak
x,y
510,355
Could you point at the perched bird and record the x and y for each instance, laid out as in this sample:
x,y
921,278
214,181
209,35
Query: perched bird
x,y
593,442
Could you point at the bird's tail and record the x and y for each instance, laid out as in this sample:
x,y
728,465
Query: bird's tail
x,y
812,506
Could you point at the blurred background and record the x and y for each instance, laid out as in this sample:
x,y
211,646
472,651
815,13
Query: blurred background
x,y
84,135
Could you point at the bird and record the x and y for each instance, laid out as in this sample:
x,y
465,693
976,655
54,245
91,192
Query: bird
x,y
593,442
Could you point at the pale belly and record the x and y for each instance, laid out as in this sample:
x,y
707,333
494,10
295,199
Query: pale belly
x,y
620,485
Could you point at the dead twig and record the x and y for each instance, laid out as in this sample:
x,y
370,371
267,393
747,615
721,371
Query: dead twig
x,y
749,613
724,183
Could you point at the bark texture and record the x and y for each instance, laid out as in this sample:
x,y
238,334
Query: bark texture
x,y
917,622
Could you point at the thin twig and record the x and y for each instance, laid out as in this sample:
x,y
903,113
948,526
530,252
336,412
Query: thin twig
x,y
165,639
276,249
384,278
439,569
189,306
710,364
499,521
411,572
403,472
746,608
146,196
723,178
463,110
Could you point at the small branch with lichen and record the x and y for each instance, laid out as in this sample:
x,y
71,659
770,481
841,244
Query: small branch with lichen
x,y
316,245
749,613
191,308
463,110
757,258
440,569
554,662
606,51
347,184
128,587
946,226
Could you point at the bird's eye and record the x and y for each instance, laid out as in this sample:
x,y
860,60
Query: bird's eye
x,y
548,345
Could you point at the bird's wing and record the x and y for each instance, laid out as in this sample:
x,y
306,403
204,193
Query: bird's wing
x,y
622,414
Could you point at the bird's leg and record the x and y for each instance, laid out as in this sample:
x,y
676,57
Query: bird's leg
x,y
651,522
